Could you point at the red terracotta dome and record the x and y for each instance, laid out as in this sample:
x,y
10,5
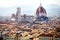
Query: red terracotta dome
x,y
40,10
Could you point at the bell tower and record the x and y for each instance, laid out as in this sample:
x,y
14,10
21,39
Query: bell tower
x,y
18,14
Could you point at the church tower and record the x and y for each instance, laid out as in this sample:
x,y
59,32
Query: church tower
x,y
18,13
18,10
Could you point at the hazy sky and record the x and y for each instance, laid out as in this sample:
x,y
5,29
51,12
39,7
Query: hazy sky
x,y
9,3
6,4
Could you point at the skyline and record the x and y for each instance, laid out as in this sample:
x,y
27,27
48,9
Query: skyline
x,y
7,7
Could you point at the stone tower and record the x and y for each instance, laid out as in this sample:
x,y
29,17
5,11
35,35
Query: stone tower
x,y
18,14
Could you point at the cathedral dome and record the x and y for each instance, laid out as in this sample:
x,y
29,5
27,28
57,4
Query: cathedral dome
x,y
41,15
40,10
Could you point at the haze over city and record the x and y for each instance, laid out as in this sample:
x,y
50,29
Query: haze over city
x,y
29,19
7,7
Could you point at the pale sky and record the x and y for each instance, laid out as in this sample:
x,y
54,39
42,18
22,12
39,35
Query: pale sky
x,y
9,3
35,3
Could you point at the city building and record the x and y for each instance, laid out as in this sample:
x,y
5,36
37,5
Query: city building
x,y
41,14
18,14
26,18
13,17
21,18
